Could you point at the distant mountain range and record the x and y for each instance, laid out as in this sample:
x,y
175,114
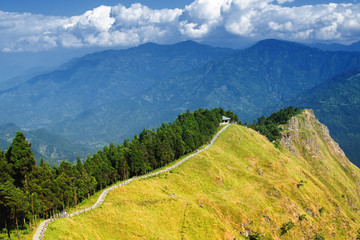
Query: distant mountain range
x,y
99,78
111,95
354,47
44,144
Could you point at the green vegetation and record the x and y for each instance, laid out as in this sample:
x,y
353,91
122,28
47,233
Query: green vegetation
x,y
269,126
16,166
219,194
286,227
319,237
300,184
302,217
29,192
255,236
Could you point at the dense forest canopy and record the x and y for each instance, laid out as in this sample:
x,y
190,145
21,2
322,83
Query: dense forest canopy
x,y
28,191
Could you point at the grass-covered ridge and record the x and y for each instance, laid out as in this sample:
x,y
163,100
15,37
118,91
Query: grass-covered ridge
x,y
242,185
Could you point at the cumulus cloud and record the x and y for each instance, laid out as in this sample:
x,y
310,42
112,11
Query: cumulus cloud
x,y
99,18
200,20
201,17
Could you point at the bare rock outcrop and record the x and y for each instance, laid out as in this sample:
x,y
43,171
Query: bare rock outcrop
x,y
306,131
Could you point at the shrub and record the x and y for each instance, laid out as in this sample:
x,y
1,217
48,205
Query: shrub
x,y
255,236
286,227
278,145
300,184
319,237
302,217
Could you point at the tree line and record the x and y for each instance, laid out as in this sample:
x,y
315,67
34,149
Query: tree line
x,y
269,126
29,191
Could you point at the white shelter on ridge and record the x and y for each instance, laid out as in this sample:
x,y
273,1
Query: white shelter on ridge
x,y
225,120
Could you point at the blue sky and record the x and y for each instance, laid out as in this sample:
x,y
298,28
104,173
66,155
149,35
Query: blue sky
x,y
64,29
76,7
70,8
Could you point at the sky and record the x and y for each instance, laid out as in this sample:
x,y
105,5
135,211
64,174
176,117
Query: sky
x,y
41,26
78,7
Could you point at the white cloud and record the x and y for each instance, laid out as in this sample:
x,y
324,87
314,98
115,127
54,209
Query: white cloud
x,y
202,19
202,16
99,18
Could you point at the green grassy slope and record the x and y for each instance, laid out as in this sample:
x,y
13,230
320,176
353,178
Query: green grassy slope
x,y
241,185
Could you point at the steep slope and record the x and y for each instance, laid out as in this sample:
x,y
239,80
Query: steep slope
x,y
252,82
337,104
241,185
97,79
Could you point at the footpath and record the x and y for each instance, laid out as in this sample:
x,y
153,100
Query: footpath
x,y
40,232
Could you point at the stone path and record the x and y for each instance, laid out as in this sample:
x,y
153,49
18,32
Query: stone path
x,y
40,232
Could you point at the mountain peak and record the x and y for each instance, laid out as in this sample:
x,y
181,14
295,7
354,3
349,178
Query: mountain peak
x,y
277,45
183,44
188,43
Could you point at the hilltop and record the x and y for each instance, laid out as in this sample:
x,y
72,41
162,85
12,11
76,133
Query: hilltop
x,y
242,186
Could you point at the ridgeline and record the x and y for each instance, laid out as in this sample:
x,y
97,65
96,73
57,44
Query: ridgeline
x,y
243,187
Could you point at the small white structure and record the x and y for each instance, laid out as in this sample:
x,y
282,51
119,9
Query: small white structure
x,y
225,120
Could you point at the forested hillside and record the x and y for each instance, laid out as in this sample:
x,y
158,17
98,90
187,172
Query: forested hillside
x,y
29,192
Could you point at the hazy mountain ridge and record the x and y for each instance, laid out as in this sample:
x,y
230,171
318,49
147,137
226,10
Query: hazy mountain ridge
x,y
111,95
97,79
252,82
51,147
354,47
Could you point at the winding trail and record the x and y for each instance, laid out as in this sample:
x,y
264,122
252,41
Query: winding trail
x,y
40,232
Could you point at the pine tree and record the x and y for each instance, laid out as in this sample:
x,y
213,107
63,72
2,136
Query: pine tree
x,y
21,159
